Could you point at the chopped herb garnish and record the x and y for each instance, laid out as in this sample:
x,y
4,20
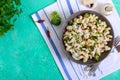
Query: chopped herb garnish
x,y
82,37
77,41
70,23
67,39
93,37
90,28
79,23
92,48
8,9
84,46
97,22
74,35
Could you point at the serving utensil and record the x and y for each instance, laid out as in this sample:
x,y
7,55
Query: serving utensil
x,y
115,43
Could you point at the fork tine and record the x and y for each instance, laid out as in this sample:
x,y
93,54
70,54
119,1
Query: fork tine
x,y
116,41
118,48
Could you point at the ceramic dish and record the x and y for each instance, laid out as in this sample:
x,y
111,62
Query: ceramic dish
x,y
110,43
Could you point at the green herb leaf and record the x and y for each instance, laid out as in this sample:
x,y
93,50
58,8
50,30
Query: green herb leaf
x,y
84,46
8,9
94,37
66,39
97,22
92,48
70,23
14,20
90,27
79,23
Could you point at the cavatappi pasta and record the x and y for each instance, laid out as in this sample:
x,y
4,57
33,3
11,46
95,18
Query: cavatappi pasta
x,y
86,37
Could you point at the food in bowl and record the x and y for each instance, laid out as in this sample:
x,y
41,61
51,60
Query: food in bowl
x,y
86,37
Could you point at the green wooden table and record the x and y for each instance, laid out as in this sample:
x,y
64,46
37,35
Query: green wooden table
x,y
24,54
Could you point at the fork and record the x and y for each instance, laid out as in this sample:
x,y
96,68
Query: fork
x,y
118,48
115,43
93,68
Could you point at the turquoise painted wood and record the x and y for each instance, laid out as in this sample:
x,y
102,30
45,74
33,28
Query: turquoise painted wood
x,y
24,54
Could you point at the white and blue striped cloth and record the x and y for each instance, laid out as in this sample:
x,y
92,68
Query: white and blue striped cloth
x,y
69,69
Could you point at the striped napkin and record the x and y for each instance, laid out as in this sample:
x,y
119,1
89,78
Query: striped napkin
x,y
69,69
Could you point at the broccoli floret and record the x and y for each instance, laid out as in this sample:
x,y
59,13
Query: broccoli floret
x,y
86,15
97,57
55,18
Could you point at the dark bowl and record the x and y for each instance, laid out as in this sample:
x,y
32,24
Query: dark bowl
x,y
90,61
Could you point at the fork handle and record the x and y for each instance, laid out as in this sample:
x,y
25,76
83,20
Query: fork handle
x,y
88,67
93,69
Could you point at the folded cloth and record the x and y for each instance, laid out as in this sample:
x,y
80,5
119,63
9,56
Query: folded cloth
x,y
69,69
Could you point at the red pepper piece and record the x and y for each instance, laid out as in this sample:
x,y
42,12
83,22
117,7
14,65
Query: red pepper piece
x,y
82,18
81,54
48,33
40,21
96,29
91,22
76,46
86,39
85,28
103,48
68,30
82,27
107,36
90,51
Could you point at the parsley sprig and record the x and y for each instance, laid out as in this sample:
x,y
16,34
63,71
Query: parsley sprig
x,y
8,9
